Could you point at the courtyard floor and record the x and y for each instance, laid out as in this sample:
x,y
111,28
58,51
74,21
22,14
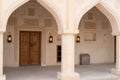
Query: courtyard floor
x,y
87,72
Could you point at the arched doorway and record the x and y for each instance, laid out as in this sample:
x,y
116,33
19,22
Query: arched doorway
x,y
45,4
96,41
112,16
30,25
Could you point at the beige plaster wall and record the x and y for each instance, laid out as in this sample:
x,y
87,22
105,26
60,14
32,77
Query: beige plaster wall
x,y
101,50
96,38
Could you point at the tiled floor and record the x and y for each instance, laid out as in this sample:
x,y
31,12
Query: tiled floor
x,y
87,72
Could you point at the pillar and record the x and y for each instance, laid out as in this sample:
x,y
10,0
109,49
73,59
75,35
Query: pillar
x,y
68,52
117,69
2,77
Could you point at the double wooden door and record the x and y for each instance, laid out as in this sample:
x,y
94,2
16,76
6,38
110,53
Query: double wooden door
x,y
30,48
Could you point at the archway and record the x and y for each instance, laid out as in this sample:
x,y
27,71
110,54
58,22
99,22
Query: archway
x,y
29,18
89,36
95,38
106,9
45,4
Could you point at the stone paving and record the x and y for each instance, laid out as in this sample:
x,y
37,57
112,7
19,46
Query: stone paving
x,y
87,72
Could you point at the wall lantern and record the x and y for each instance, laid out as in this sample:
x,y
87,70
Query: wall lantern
x,y
78,39
50,39
9,38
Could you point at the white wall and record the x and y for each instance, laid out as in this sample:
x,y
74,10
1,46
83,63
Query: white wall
x,y
101,50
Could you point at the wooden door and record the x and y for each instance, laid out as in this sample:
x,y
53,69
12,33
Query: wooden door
x,y
30,48
35,48
24,48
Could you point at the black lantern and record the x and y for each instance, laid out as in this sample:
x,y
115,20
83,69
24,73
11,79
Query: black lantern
x,y
78,39
9,38
50,39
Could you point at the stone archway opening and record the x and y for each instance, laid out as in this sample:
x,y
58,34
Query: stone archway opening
x,y
106,9
96,41
31,18
44,4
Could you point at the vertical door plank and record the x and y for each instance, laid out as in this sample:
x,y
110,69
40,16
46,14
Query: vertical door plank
x,y
35,48
24,48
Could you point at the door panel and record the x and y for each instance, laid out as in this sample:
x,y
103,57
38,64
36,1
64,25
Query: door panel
x,y
30,47
35,48
24,48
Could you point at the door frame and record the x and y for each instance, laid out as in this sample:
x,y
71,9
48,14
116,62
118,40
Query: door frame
x,y
39,40
114,49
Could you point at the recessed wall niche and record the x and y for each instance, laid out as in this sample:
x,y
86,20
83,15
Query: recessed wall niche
x,y
90,25
90,16
89,36
31,22
31,12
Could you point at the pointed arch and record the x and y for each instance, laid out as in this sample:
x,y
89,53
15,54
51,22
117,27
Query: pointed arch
x,y
44,3
106,9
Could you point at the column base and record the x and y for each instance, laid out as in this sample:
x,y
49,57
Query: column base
x,y
3,77
71,76
116,72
